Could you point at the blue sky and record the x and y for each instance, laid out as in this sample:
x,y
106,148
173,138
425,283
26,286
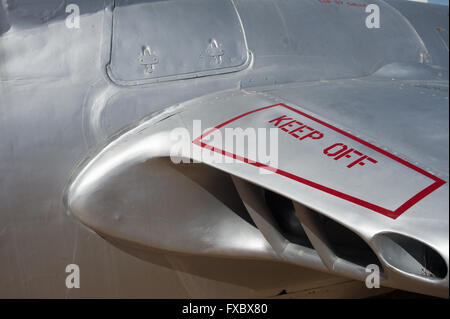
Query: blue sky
x,y
434,1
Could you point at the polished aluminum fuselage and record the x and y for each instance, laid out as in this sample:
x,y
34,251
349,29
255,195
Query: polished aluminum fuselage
x,y
78,185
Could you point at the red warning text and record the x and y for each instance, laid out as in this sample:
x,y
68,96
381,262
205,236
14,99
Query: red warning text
x,y
340,150
296,129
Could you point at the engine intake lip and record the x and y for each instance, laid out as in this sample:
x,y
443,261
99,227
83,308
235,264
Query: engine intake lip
x,y
408,255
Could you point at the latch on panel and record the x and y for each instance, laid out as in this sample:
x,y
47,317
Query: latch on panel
x,y
214,51
148,59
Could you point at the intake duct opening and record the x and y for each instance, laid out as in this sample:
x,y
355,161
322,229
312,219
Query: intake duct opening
x,y
410,255
276,215
283,212
346,244
217,183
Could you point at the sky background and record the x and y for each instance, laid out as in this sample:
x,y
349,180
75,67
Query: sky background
x,y
433,1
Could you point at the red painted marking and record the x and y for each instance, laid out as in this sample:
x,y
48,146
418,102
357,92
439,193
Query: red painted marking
x,y
389,213
348,3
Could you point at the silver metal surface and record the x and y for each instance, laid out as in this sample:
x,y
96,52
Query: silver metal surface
x,y
85,122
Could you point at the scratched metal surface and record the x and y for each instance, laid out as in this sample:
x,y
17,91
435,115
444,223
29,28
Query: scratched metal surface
x,y
59,106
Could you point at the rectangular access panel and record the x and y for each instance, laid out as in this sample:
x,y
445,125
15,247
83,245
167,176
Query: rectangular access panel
x,y
171,40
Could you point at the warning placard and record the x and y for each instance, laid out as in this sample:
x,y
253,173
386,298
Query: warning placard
x,y
324,157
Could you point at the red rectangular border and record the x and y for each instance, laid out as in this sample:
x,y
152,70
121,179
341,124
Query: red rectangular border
x,y
389,213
